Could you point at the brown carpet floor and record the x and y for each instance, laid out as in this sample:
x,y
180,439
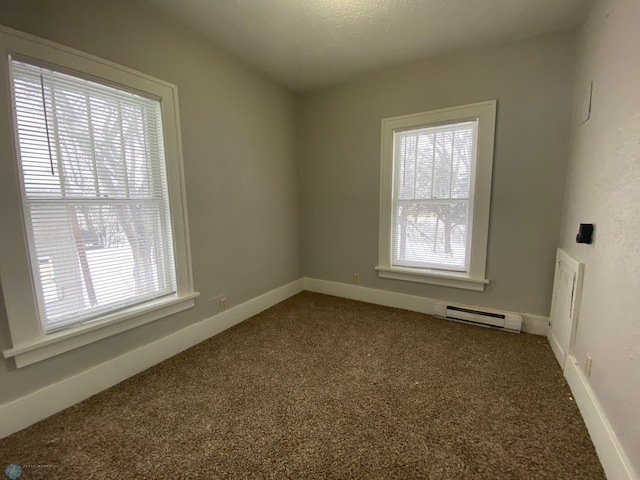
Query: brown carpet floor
x,y
325,388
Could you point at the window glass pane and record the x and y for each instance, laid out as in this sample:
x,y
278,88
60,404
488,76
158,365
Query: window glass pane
x,y
69,129
462,158
39,173
426,151
407,172
431,234
97,257
432,184
442,177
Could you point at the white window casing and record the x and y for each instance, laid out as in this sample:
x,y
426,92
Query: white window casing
x,y
435,189
95,235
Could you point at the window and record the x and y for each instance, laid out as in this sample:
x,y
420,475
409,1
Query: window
x,y
94,195
435,190
100,199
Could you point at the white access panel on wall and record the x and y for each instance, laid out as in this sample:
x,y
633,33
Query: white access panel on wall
x,y
565,305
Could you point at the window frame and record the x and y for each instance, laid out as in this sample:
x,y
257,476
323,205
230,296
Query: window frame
x,y
480,195
30,344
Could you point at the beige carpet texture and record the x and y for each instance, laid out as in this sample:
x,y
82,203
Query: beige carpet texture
x,y
320,387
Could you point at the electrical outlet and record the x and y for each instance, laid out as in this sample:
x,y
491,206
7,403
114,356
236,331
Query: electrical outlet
x,y
587,366
223,304
356,278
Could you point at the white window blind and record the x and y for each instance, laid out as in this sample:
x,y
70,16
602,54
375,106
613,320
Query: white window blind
x,y
94,193
432,196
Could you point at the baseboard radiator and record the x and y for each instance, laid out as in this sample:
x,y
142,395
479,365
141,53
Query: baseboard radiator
x,y
504,321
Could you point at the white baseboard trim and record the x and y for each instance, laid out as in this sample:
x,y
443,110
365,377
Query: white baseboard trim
x,y
534,324
371,295
612,456
557,349
36,406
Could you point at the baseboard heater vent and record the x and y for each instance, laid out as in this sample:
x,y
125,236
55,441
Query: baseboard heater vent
x,y
505,321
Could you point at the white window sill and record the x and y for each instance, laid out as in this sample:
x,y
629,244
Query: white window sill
x,y
433,277
59,342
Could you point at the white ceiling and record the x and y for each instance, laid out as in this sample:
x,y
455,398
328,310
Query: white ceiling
x,y
308,44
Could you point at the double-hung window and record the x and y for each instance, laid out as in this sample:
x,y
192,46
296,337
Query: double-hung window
x,y
104,244
435,191
94,195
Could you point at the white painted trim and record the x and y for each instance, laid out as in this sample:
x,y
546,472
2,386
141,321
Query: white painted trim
x,y
433,277
56,343
36,406
556,349
564,260
534,324
612,456
371,295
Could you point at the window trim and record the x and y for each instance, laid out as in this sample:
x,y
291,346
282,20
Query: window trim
x,y
29,342
474,279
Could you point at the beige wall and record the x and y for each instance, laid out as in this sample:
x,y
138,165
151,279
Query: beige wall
x,y
340,157
239,134
603,188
